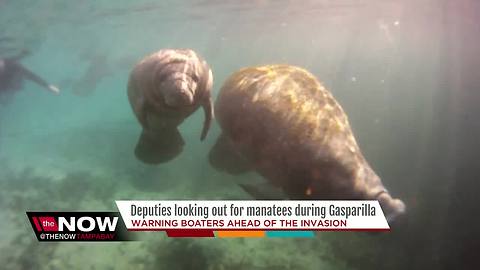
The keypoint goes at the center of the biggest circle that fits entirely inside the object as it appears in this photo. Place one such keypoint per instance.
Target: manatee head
(373, 189)
(393, 208)
(178, 90)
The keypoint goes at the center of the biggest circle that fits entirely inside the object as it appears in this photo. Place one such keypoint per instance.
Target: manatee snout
(178, 92)
(392, 208)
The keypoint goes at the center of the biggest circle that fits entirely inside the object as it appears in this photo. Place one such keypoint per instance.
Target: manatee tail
(159, 147)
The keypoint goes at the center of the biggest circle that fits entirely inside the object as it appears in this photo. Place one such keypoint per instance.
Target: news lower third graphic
(210, 219)
(78, 226)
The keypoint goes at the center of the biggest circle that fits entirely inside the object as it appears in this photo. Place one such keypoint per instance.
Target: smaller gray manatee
(165, 88)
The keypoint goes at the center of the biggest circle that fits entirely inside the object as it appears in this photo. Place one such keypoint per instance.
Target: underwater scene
(82, 124)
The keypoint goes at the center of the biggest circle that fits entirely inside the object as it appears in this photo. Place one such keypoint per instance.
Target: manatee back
(282, 103)
(288, 127)
(291, 128)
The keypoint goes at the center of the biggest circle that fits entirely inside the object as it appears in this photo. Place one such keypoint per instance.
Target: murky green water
(387, 63)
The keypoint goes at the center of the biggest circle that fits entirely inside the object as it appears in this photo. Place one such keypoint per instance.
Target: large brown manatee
(164, 89)
(280, 121)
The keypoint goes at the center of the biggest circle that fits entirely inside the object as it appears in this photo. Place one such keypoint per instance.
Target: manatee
(13, 73)
(164, 89)
(95, 72)
(282, 122)
(100, 65)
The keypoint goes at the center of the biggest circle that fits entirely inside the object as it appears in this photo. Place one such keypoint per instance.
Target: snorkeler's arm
(35, 78)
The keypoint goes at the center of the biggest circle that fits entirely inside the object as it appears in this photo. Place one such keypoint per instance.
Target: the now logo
(87, 224)
(80, 226)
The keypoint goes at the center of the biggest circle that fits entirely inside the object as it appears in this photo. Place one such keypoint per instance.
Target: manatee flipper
(207, 102)
(159, 147)
(209, 115)
(263, 191)
(223, 157)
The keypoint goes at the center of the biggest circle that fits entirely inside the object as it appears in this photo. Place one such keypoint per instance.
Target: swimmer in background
(12, 74)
